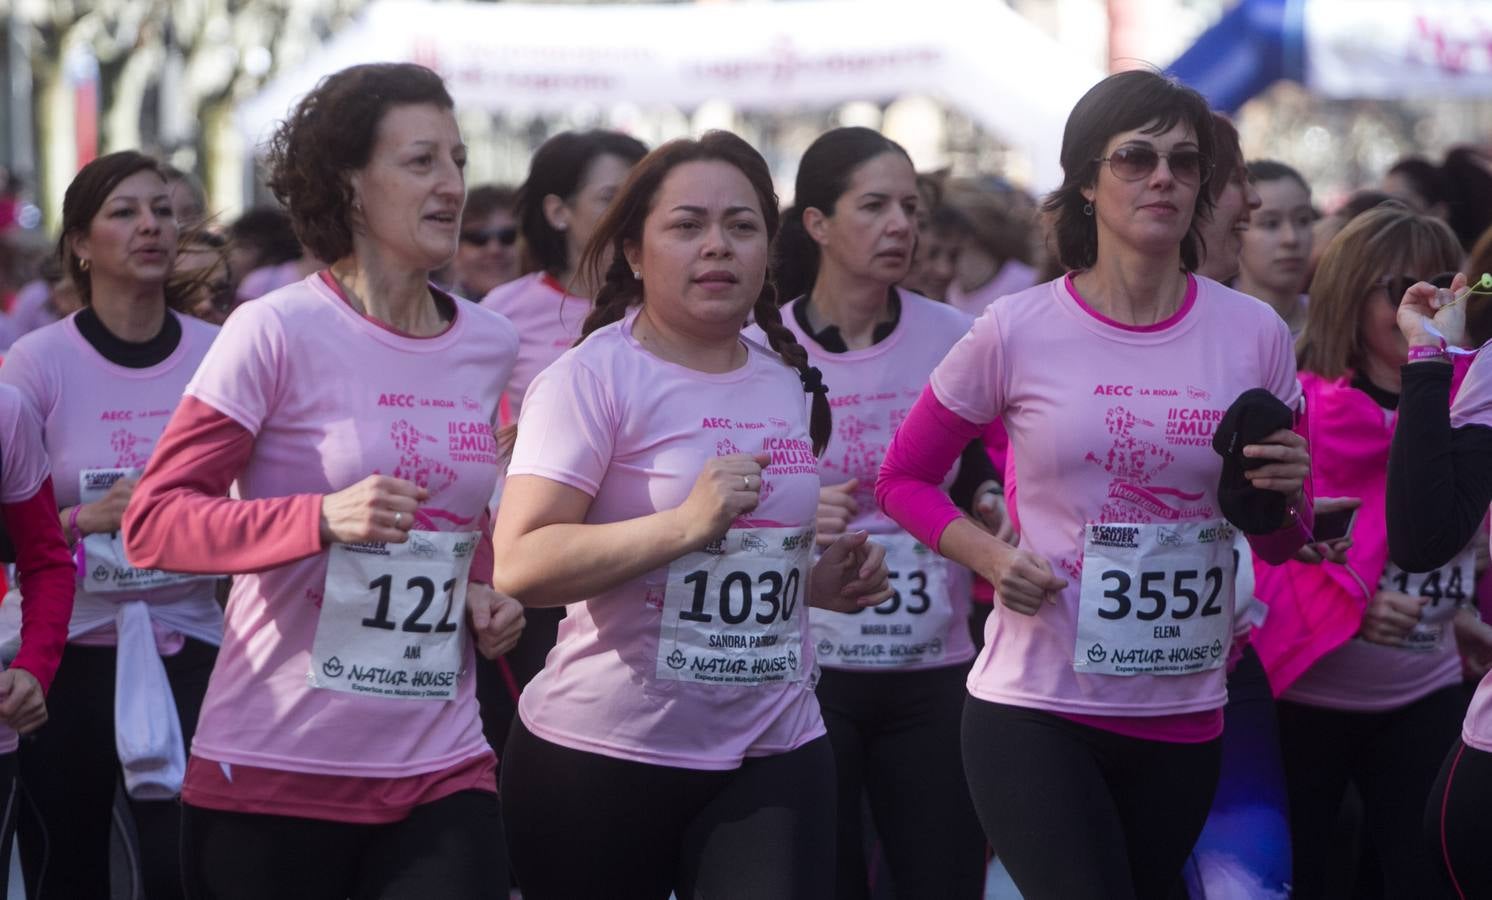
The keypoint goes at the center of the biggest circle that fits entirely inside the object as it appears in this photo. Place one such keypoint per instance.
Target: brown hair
(84, 197)
(486, 199)
(1387, 241)
(329, 135)
(1121, 102)
(623, 223)
(559, 167)
(1000, 227)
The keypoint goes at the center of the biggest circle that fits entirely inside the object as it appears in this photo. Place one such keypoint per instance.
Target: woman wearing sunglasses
(488, 253)
(1091, 734)
(1364, 655)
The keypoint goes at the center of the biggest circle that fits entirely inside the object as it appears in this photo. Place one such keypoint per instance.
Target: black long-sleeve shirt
(1439, 477)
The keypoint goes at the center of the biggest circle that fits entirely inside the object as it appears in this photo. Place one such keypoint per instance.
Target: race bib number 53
(1156, 599)
(393, 617)
(733, 613)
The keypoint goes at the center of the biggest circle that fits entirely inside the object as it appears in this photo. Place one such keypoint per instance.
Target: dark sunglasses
(1134, 163)
(483, 236)
(1396, 286)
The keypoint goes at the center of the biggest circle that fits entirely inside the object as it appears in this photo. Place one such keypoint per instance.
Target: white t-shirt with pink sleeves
(332, 397)
(23, 468)
(634, 431)
(871, 391)
(98, 416)
(1108, 424)
(1473, 406)
(548, 321)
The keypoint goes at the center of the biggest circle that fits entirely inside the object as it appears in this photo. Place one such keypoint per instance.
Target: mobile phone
(1334, 525)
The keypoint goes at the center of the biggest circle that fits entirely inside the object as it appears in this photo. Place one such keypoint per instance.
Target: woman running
(1439, 486)
(340, 752)
(664, 486)
(1364, 655)
(32, 539)
(141, 642)
(1091, 734)
(891, 689)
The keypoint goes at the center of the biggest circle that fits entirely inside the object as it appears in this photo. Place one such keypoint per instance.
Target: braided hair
(623, 221)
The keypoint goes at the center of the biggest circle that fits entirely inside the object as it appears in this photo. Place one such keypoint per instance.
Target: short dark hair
(83, 199)
(824, 174)
(1121, 102)
(606, 260)
(267, 230)
(559, 167)
(329, 135)
(1428, 179)
(486, 199)
(1265, 170)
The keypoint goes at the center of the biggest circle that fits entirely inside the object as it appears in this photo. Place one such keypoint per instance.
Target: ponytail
(785, 345)
(795, 256)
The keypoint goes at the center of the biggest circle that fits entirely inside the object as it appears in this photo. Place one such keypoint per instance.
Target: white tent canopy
(976, 55)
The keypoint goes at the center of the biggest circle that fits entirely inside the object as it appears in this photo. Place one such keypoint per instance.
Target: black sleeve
(974, 469)
(1439, 478)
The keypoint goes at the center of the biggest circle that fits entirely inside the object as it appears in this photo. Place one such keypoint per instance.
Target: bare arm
(546, 555)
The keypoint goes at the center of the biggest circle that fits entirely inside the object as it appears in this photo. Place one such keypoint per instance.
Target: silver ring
(398, 517)
(746, 479)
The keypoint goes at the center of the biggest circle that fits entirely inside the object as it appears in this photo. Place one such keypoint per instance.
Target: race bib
(1157, 599)
(107, 569)
(393, 617)
(733, 613)
(1447, 587)
(909, 629)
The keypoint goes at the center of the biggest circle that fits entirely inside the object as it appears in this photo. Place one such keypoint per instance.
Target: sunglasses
(482, 237)
(1396, 286)
(1136, 162)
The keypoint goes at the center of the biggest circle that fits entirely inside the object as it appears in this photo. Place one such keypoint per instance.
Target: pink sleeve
(46, 570)
(32, 378)
(567, 427)
(181, 519)
(925, 446)
(970, 381)
(240, 375)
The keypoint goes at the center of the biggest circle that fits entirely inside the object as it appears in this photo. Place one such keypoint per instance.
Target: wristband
(73, 531)
(1421, 353)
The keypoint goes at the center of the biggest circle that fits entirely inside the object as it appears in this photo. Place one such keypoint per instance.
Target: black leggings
(1457, 829)
(70, 772)
(443, 849)
(1076, 812)
(1391, 757)
(9, 807)
(895, 737)
(585, 825)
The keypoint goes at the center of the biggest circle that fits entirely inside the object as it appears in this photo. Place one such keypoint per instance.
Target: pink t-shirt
(1013, 277)
(23, 468)
(1350, 436)
(548, 321)
(1108, 423)
(611, 419)
(1473, 406)
(332, 397)
(97, 415)
(871, 391)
